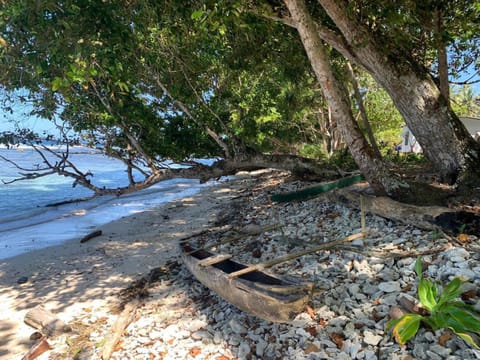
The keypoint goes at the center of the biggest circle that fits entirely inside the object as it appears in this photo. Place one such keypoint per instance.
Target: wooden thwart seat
(214, 259)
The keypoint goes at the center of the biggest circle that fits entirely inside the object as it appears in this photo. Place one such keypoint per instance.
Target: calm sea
(27, 223)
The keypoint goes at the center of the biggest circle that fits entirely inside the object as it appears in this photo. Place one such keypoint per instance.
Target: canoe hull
(263, 295)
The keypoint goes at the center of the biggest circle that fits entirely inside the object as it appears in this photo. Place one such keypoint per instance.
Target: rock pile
(356, 287)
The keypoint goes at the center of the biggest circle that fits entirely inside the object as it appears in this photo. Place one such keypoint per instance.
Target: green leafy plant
(436, 234)
(444, 310)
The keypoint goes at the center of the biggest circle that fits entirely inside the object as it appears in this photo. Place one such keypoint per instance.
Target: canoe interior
(229, 266)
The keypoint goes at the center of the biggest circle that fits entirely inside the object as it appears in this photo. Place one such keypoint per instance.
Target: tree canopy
(178, 79)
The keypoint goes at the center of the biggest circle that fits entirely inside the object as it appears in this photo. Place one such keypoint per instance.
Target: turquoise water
(26, 223)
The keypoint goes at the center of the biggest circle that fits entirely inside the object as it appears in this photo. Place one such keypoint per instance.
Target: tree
(464, 102)
(182, 78)
(370, 35)
(154, 83)
(371, 165)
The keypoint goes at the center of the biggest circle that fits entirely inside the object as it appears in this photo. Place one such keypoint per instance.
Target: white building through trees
(410, 145)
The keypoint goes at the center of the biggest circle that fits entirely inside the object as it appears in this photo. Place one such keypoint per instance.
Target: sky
(35, 124)
(22, 117)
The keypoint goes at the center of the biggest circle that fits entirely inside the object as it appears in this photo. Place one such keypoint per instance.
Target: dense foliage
(203, 78)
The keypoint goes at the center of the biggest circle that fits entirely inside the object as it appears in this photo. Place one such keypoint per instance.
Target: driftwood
(423, 217)
(46, 322)
(289, 257)
(123, 320)
(91, 236)
(395, 254)
(132, 301)
(38, 349)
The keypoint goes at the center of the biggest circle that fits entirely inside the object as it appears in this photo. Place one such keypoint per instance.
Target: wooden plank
(285, 289)
(214, 259)
(289, 257)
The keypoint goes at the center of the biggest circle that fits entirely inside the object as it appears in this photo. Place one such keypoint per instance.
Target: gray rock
(358, 242)
(201, 335)
(354, 349)
(354, 289)
(457, 254)
(338, 321)
(243, 350)
(432, 356)
(349, 330)
(440, 350)
(217, 337)
(420, 349)
(22, 280)
(465, 273)
(371, 339)
(260, 347)
(235, 340)
(236, 327)
(369, 288)
(389, 286)
(343, 356)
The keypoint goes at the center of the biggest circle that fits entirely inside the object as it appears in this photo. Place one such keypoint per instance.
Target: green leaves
(451, 291)
(445, 312)
(427, 293)
(198, 14)
(419, 267)
(464, 321)
(405, 327)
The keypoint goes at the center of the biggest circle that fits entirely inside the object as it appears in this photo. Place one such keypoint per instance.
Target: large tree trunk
(371, 166)
(444, 139)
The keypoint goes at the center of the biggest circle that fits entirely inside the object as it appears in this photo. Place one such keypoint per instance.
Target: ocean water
(28, 223)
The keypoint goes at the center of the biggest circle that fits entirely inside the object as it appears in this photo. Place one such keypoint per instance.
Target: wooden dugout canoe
(264, 295)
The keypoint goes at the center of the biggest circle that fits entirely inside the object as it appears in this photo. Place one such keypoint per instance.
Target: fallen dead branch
(133, 296)
(38, 349)
(395, 254)
(123, 320)
(422, 217)
(91, 236)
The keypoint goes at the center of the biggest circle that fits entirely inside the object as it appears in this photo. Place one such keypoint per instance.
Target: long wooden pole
(285, 258)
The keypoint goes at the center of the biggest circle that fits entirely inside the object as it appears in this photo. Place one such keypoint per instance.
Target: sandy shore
(73, 277)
